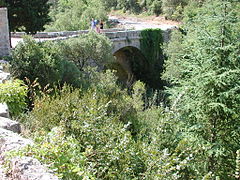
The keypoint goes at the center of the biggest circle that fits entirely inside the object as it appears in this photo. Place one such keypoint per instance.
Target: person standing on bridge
(97, 26)
(101, 25)
(93, 25)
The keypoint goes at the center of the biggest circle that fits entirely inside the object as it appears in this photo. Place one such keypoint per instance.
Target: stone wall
(4, 33)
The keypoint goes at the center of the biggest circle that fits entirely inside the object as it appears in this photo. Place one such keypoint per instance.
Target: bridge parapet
(123, 34)
(60, 33)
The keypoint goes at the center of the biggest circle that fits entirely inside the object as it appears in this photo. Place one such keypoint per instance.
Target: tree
(28, 16)
(74, 15)
(207, 88)
(90, 49)
(42, 61)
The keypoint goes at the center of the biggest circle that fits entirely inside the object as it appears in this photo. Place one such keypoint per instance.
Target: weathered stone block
(10, 125)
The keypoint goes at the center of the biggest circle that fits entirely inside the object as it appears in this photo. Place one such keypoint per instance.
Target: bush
(36, 60)
(173, 9)
(90, 49)
(75, 14)
(103, 146)
(157, 7)
(42, 61)
(14, 93)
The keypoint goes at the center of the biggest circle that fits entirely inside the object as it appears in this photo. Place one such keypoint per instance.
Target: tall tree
(207, 86)
(27, 15)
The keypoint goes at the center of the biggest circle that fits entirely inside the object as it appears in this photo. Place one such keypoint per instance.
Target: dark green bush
(42, 61)
(90, 49)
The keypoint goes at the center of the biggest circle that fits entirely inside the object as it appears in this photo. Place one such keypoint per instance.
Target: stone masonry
(4, 33)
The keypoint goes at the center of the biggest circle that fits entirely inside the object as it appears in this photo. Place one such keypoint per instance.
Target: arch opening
(132, 65)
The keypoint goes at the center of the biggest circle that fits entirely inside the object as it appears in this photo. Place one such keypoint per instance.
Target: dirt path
(138, 23)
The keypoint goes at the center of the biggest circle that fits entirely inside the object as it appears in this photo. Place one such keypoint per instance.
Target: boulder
(4, 112)
(11, 141)
(27, 168)
(9, 124)
(21, 168)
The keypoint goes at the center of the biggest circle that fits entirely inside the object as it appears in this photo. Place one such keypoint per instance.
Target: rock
(21, 168)
(4, 76)
(4, 112)
(11, 141)
(27, 168)
(3, 61)
(11, 125)
(2, 173)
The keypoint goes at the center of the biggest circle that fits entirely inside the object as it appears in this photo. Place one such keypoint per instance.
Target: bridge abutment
(4, 33)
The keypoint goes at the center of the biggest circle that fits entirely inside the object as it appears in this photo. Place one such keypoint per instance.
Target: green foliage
(95, 119)
(128, 5)
(42, 61)
(150, 45)
(174, 52)
(173, 9)
(28, 16)
(90, 49)
(156, 7)
(75, 14)
(14, 93)
(206, 92)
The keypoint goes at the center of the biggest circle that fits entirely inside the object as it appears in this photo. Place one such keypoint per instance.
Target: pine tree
(208, 82)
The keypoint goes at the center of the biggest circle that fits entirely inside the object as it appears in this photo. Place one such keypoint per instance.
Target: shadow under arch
(130, 65)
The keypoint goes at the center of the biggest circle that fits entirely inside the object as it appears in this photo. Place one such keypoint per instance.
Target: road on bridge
(127, 23)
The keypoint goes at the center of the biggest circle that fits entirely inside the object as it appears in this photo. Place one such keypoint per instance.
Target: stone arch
(129, 61)
(119, 44)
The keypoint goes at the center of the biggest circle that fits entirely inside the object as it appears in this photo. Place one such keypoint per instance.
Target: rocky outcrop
(11, 125)
(26, 168)
(21, 168)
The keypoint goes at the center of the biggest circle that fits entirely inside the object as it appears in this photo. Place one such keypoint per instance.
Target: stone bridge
(126, 43)
(120, 37)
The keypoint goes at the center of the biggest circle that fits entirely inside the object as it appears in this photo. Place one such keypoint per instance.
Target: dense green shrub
(156, 7)
(74, 15)
(97, 125)
(173, 9)
(42, 61)
(14, 94)
(90, 49)
(151, 47)
(49, 110)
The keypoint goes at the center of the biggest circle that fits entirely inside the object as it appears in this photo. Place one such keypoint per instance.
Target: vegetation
(75, 14)
(28, 16)
(96, 129)
(42, 61)
(14, 94)
(89, 49)
(206, 81)
(151, 46)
